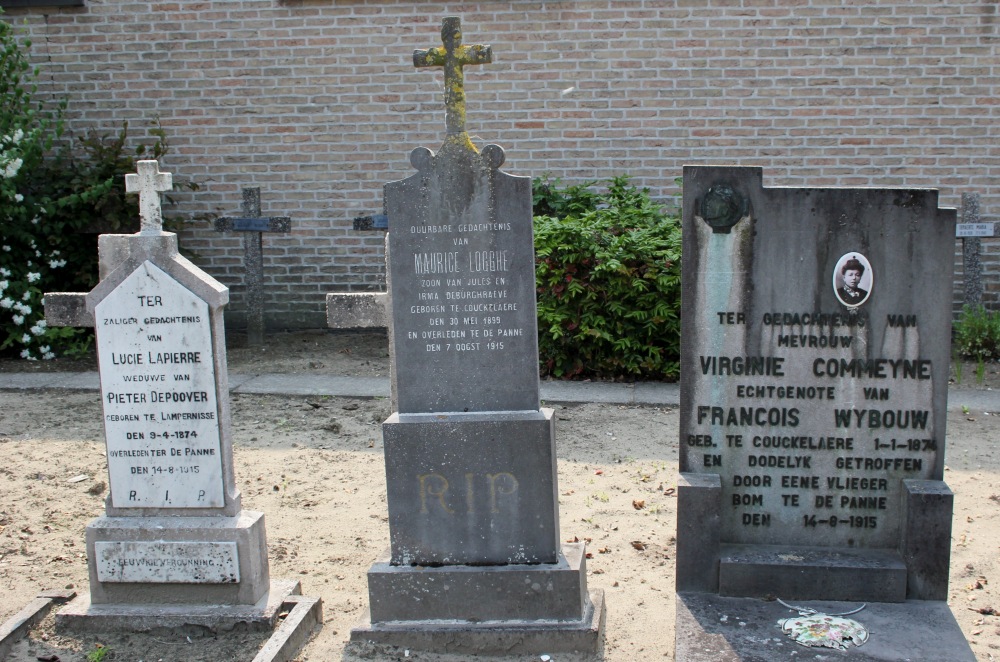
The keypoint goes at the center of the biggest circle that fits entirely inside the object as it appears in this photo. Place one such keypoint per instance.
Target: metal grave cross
(254, 225)
(149, 182)
(453, 56)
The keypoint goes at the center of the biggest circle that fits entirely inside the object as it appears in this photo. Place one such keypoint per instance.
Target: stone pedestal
(535, 608)
(917, 569)
(178, 560)
(475, 488)
(475, 564)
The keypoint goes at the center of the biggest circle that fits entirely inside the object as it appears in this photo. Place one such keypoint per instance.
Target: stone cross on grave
(149, 182)
(453, 57)
(253, 225)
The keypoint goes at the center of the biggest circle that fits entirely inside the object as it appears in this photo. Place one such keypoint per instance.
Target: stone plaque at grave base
(208, 560)
(815, 359)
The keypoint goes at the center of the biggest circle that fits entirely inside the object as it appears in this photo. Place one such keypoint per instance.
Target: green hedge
(608, 276)
(977, 333)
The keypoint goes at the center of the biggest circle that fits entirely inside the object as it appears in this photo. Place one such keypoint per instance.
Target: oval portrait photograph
(852, 279)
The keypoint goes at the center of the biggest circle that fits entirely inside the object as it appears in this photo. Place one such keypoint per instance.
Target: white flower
(6, 302)
(21, 308)
(11, 168)
(55, 264)
(26, 296)
(34, 221)
(37, 330)
(33, 276)
(48, 356)
(6, 248)
(18, 197)
(45, 349)
(25, 354)
(56, 253)
(25, 339)
(18, 319)
(4, 272)
(3, 285)
(14, 138)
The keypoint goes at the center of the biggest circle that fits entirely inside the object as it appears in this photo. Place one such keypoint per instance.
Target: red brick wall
(317, 103)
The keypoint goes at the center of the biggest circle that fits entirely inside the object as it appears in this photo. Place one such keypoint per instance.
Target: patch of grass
(98, 654)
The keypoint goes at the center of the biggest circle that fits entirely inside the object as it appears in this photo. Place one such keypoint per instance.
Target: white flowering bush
(55, 196)
(26, 260)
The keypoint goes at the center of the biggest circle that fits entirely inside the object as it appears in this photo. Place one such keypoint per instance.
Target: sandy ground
(314, 466)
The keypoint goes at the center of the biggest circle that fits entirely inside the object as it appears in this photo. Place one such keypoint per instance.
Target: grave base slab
(812, 573)
(485, 638)
(242, 538)
(484, 609)
(713, 628)
(82, 616)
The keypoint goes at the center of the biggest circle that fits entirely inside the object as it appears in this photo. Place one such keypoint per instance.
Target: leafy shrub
(977, 333)
(547, 199)
(55, 195)
(608, 276)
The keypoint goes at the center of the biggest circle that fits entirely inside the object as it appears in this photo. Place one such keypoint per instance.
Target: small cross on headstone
(149, 183)
(453, 56)
(254, 225)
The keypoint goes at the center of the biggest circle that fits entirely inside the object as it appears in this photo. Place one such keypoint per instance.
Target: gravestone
(475, 562)
(815, 359)
(253, 226)
(175, 546)
(971, 231)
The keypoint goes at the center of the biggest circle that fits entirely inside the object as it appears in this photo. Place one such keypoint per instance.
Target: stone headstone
(463, 306)
(815, 359)
(470, 455)
(158, 392)
(972, 263)
(174, 532)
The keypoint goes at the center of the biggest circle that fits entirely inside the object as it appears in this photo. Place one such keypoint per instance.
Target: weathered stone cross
(148, 183)
(453, 57)
(252, 224)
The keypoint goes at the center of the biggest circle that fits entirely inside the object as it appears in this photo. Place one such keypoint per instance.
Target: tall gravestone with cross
(253, 226)
(475, 562)
(815, 360)
(175, 546)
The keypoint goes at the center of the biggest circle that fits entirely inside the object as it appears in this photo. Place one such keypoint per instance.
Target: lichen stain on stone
(458, 141)
(453, 56)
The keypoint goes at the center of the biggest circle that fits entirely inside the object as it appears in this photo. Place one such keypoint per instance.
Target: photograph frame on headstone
(865, 284)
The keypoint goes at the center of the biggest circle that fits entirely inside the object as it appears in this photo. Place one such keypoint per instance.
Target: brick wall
(317, 103)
